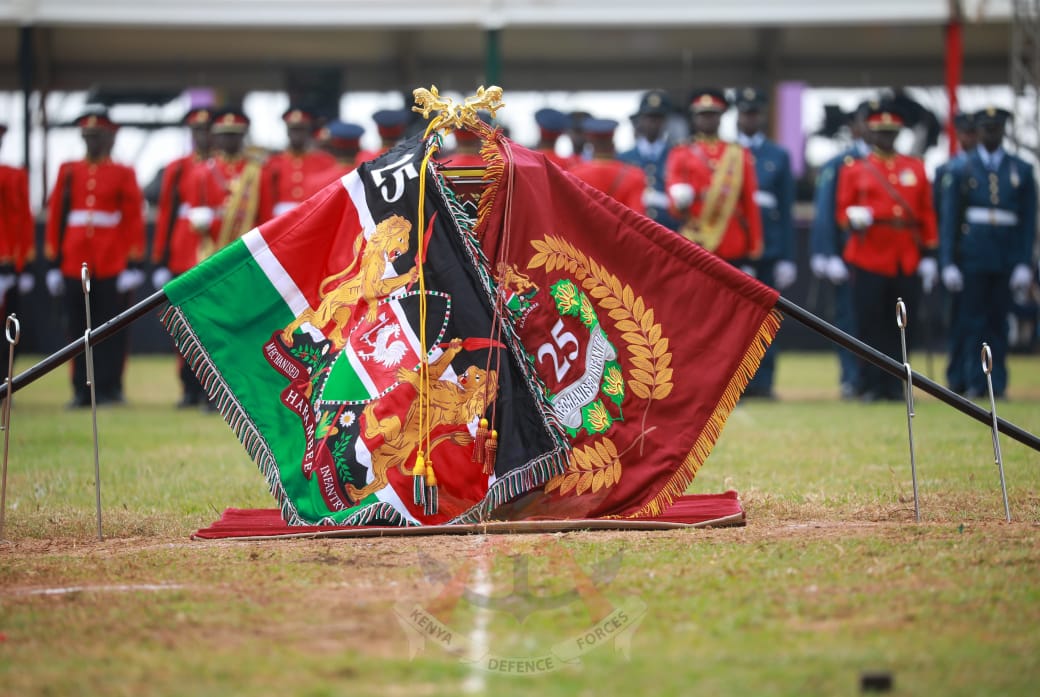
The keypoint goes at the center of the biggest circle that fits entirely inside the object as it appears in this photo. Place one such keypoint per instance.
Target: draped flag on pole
(346, 337)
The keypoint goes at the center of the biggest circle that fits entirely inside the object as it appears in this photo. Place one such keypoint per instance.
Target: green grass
(830, 578)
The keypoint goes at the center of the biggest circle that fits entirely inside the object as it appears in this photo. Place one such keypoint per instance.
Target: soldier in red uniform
(552, 124)
(885, 201)
(712, 186)
(176, 245)
(17, 243)
(286, 171)
(235, 190)
(342, 141)
(620, 180)
(95, 216)
(391, 124)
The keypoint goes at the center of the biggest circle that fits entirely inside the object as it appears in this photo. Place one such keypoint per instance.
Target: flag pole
(96, 336)
(796, 312)
(896, 369)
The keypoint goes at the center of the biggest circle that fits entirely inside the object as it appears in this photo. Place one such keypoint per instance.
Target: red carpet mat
(695, 510)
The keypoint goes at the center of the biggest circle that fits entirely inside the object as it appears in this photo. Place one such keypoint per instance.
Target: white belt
(84, 218)
(977, 215)
(284, 207)
(184, 210)
(765, 199)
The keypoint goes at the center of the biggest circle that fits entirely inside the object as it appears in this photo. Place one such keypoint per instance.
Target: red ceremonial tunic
(694, 164)
(182, 190)
(897, 191)
(17, 241)
(619, 180)
(214, 179)
(285, 174)
(104, 226)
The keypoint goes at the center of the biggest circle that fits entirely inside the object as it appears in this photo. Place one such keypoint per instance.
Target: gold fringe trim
(494, 168)
(682, 477)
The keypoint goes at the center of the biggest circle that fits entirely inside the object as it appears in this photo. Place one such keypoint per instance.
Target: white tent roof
(490, 13)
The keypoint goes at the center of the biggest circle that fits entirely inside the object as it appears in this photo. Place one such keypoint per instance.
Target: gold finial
(450, 115)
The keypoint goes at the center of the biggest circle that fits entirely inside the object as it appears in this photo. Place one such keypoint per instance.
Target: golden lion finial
(450, 115)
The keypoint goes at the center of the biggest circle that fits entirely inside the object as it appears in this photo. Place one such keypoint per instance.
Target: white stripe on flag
(387, 493)
(356, 188)
(275, 272)
(359, 370)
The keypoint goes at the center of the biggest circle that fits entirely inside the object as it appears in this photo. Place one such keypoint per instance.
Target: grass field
(830, 578)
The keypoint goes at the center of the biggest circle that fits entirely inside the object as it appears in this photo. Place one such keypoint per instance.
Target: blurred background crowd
(845, 155)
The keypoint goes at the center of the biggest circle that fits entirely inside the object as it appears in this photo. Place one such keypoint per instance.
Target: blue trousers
(982, 312)
(845, 320)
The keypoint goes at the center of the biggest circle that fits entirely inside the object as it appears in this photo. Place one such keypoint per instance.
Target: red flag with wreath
(643, 340)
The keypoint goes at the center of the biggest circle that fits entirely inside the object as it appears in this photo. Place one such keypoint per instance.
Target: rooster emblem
(387, 348)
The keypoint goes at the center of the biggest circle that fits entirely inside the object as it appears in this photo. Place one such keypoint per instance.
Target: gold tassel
(478, 441)
(418, 479)
(490, 452)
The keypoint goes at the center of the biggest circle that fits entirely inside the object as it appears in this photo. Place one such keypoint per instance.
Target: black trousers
(110, 355)
(874, 298)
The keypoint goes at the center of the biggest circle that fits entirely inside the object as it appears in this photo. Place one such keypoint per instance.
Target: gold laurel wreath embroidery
(651, 360)
(592, 468)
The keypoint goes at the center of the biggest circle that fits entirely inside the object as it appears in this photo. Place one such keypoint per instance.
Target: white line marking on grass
(130, 588)
(478, 636)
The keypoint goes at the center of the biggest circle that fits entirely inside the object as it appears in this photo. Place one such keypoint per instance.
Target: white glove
(860, 217)
(1021, 278)
(837, 272)
(748, 269)
(952, 279)
(201, 218)
(928, 270)
(652, 198)
(161, 276)
(818, 265)
(785, 273)
(7, 282)
(129, 279)
(26, 283)
(681, 195)
(55, 282)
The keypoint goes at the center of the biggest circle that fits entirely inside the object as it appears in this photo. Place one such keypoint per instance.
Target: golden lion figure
(448, 404)
(387, 243)
(510, 278)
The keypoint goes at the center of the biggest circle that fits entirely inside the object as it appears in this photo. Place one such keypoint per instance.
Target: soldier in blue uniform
(651, 152)
(967, 139)
(827, 243)
(986, 247)
(775, 198)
